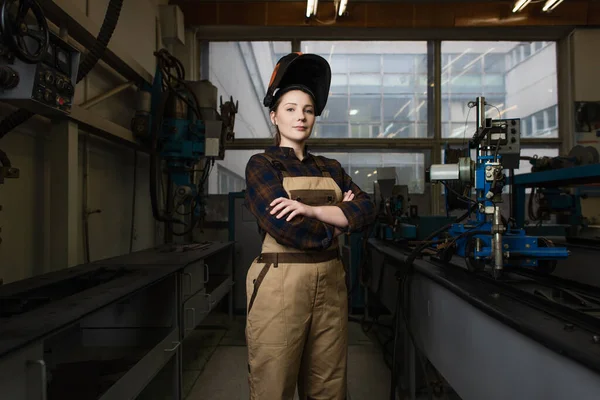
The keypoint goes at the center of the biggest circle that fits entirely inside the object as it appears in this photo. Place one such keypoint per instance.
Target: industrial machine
(38, 70)
(178, 120)
(558, 186)
(488, 238)
(397, 219)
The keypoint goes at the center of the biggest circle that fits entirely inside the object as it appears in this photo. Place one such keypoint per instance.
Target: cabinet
(114, 339)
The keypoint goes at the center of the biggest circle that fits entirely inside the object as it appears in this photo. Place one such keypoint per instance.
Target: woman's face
(294, 117)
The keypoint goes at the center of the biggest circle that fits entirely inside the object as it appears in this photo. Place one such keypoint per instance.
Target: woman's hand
(284, 206)
(348, 196)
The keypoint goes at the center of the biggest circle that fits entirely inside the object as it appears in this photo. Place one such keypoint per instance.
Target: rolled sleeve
(263, 185)
(360, 212)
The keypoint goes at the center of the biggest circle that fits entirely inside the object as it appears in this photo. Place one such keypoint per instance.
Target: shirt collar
(286, 152)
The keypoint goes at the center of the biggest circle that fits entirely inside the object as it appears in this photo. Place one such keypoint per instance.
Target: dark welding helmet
(296, 71)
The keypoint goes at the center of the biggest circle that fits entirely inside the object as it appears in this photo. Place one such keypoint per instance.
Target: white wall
(25, 217)
(586, 64)
(229, 74)
(532, 86)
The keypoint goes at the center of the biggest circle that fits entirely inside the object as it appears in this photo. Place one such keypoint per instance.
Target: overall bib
(296, 327)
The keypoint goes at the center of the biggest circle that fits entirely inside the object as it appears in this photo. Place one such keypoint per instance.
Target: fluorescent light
(342, 9)
(353, 112)
(520, 4)
(311, 7)
(551, 5)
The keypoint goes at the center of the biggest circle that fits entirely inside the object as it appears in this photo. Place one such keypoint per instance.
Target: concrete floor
(215, 360)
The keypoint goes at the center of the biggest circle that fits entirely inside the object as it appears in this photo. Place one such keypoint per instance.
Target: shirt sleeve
(263, 185)
(360, 212)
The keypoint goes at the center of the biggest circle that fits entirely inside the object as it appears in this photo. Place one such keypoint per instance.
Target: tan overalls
(296, 327)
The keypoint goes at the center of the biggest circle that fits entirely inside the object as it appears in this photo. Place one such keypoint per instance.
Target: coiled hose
(90, 60)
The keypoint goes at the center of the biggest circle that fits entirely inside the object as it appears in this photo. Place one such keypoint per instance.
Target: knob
(49, 77)
(9, 78)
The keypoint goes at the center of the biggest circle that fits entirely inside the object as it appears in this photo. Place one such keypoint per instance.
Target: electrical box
(46, 87)
(172, 25)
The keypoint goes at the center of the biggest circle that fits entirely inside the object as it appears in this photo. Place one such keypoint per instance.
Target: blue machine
(178, 119)
(485, 237)
(558, 190)
(397, 219)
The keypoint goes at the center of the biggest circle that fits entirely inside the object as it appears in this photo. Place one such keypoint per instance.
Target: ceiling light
(551, 5)
(520, 4)
(311, 7)
(342, 9)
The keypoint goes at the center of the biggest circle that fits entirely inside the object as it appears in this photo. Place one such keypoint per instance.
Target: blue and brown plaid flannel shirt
(264, 184)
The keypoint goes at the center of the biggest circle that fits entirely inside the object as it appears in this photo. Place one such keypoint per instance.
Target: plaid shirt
(264, 184)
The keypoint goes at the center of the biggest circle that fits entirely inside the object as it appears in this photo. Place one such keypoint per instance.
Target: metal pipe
(480, 107)
(497, 241)
(101, 97)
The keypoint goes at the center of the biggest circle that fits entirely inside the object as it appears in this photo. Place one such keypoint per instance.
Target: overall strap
(322, 167)
(278, 165)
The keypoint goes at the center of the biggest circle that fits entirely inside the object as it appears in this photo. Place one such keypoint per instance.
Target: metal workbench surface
(487, 343)
(130, 273)
(548, 330)
(169, 254)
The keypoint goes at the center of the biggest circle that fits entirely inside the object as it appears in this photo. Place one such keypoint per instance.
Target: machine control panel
(46, 87)
(506, 133)
(53, 88)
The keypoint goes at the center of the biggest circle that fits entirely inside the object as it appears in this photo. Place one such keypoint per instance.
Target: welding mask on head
(296, 71)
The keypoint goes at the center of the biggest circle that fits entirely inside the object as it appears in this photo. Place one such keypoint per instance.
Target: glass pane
(362, 167)
(243, 70)
(410, 168)
(397, 108)
(364, 131)
(330, 131)
(365, 84)
(339, 84)
(365, 109)
(371, 72)
(398, 83)
(364, 62)
(230, 173)
(335, 111)
(501, 72)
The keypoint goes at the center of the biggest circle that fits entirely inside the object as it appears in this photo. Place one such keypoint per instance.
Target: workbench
(485, 344)
(112, 329)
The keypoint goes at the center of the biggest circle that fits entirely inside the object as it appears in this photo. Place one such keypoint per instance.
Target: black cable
(111, 18)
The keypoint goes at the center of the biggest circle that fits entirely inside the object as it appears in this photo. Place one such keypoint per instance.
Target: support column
(64, 194)
(566, 103)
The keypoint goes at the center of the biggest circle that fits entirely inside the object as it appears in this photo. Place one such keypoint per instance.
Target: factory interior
(125, 239)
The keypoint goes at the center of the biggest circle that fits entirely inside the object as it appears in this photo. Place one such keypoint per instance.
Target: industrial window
(362, 167)
(229, 175)
(243, 70)
(229, 181)
(379, 89)
(512, 87)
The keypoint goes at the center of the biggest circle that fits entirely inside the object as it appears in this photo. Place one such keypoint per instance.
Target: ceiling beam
(423, 15)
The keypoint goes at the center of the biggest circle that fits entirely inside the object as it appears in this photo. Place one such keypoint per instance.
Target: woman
(296, 326)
